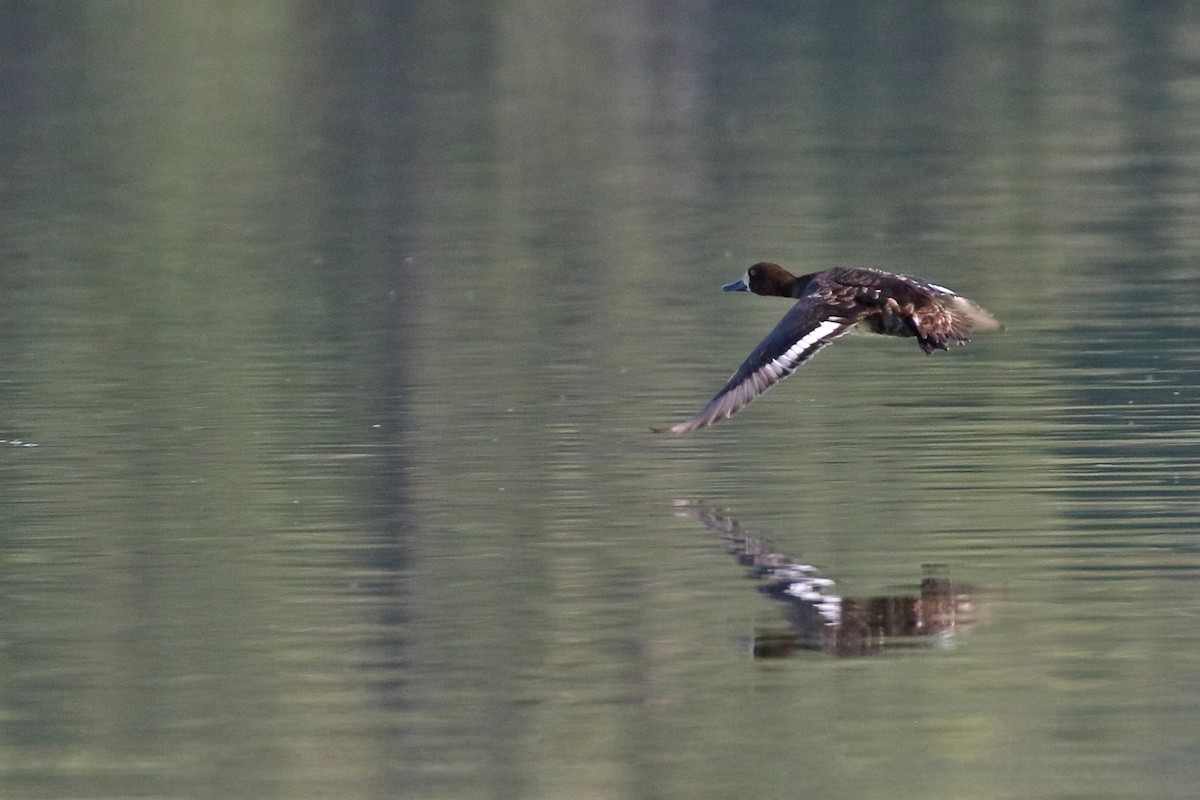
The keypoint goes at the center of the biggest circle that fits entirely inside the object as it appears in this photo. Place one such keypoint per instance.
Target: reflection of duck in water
(825, 621)
(828, 305)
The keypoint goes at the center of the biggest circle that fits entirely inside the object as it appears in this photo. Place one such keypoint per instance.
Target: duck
(828, 305)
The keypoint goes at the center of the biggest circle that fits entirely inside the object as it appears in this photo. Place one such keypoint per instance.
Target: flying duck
(828, 305)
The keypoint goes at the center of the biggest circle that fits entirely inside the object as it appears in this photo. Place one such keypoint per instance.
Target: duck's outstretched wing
(805, 329)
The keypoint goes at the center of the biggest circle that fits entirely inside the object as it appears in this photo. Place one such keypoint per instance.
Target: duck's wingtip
(687, 426)
(670, 430)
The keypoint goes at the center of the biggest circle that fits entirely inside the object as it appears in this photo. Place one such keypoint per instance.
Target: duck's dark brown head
(769, 279)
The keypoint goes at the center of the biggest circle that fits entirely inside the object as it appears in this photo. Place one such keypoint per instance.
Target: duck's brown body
(895, 305)
(828, 305)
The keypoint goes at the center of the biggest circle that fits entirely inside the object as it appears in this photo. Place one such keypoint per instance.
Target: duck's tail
(970, 317)
(961, 319)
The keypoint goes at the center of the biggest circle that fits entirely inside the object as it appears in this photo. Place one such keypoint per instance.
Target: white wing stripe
(795, 354)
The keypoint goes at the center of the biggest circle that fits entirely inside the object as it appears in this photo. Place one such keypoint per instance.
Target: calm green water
(340, 333)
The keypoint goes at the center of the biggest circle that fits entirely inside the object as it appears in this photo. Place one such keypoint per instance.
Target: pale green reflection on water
(341, 335)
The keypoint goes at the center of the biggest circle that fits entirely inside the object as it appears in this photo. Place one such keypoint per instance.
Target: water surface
(341, 334)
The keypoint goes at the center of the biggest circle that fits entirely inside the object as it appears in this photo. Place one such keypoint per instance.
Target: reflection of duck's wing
(809, 326)
(824, 621)
(783, 577)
